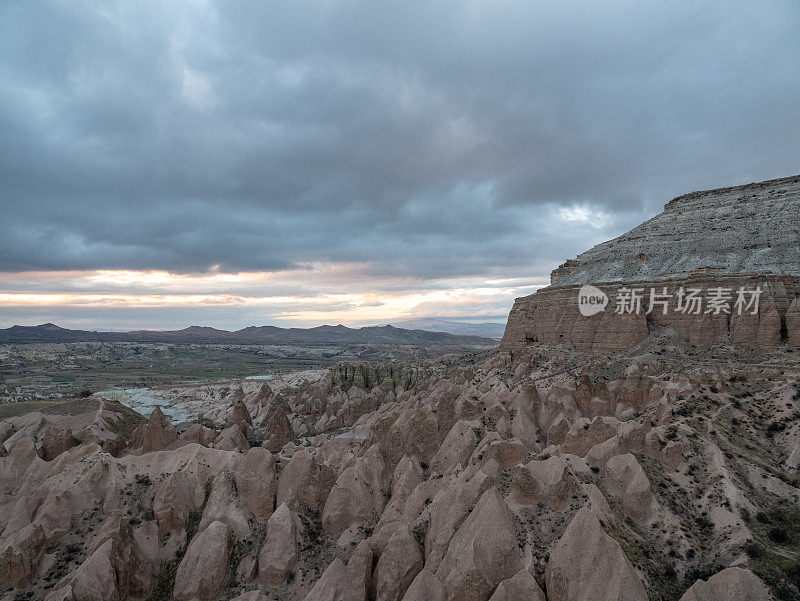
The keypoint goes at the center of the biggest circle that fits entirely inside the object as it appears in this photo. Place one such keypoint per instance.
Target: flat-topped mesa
(740, 237)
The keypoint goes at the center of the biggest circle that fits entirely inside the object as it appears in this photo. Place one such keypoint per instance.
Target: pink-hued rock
(523, 421)
(225, 506)
(548, 482)
(336, 584)
(584, 434)
(55, 441)
(769, 325)
(448, 511)
(588, 565)
(793, 323)
(399, 564)
(413, 433)
(155, 434)
(476, 563)
(175, 499)
(456, 449)
(20, 553)
(747, 242)
(239, 416)
(426, 587)
(232, 438)
(626, 480)
(255, 482)
(199, 434)
(732, 584)
(502, 454)
(202, 573)
(278, 428)
(361, 565)
(520, 586)
(94, 580)
(304, 481)
(407, 476)
(251, 596)
(358, 494)
(278, 555)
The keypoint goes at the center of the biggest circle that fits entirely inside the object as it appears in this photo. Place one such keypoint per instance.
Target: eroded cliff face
(740, 237)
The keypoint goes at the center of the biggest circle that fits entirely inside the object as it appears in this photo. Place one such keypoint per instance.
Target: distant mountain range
(451, 326)
(273, 335)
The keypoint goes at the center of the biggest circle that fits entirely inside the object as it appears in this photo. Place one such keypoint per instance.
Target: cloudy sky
(295, 163)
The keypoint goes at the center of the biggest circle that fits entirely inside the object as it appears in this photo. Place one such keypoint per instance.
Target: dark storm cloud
(430, 139)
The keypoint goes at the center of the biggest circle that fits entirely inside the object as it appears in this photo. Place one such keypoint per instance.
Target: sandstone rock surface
(520, 586)
(476, 563)
(732, 584)
(255, 482)
(278, 555)
(202, 571)
(399, 564)
(588, 565)
(155, 434)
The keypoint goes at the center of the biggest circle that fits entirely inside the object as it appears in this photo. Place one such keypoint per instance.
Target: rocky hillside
(667, 472)
(744, 236)
(266, 335)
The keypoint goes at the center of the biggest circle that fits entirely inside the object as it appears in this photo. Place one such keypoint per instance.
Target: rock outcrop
(520, 586)
(20, 554)
(588, 565)
(94, 580)
(730, 238)
(793, 323)
(155, 434)
(426, 587)
(335, 584)
(626, 480)
(399, 564)
(255, 482)
(278, 428)
(547, 482)
(476, 563)
(358, 494)
(177, 497)
(278, 555)
(201, 573)
(305, 481)
(55, 441)
(733, 584)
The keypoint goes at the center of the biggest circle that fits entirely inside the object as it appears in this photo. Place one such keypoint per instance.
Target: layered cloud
(308, 296)
(431, 144)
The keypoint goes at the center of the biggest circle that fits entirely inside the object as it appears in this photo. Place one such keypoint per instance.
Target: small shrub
(165, 581)
(753, 549)
(778, 535)
(143, 479)
(192, 524)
